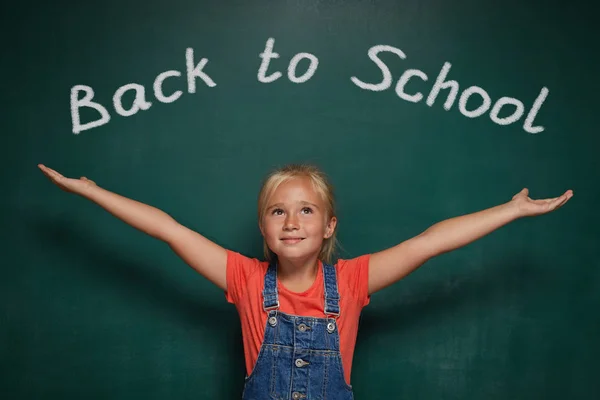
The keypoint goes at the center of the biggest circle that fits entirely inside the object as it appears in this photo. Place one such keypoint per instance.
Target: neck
(299, 273)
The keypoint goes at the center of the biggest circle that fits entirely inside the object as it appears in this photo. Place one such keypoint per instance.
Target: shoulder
(246, 265)
(242, 272)
(353, 265)
(353, 277)
(234, 257)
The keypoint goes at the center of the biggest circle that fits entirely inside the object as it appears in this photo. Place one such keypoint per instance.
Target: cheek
(270, 230)
(316, 228)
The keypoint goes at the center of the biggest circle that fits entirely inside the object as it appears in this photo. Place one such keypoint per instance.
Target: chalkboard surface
(418, 111)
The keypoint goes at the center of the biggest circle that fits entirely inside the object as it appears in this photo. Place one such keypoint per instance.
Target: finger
(51, 170)
(54, 174)
(564, 201)
(47, 172)
(55, 177)
(566, 195)
(547, 205)
(548, 200)
(559, 201)
(543, 202)
(44, 169)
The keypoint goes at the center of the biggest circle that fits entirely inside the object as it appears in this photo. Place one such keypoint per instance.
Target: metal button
(330, 327)
(300, 363)
(302, 327)
(272, 321)
(297, 396)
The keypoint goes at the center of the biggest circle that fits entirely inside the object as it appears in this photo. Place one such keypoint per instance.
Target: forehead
(294, 190)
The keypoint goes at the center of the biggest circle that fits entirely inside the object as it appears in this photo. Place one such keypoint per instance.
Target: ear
(330, 228)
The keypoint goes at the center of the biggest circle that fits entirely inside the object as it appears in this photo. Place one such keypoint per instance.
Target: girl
(299, 313)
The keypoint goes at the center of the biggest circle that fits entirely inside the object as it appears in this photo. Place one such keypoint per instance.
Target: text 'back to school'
(473, 101)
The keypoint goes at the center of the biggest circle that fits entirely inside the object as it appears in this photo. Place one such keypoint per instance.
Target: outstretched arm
(206, 257)
(388, 266)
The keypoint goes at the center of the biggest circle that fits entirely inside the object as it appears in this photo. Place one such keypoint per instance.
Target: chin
(295, 254)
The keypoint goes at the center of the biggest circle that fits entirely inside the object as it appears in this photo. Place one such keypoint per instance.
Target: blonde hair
(321, 185)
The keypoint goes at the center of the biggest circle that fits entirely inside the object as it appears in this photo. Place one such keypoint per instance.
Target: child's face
(294, 224)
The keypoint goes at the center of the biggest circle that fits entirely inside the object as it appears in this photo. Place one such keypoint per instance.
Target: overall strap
(332, 297)
(270, 296)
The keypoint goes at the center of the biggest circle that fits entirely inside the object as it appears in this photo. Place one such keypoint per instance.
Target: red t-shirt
(245, 282)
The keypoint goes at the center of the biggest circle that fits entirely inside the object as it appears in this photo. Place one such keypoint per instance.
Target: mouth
(292, 240)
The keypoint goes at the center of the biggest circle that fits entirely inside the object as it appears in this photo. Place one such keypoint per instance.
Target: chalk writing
(139, 103)
(441, 83)
(473, 101)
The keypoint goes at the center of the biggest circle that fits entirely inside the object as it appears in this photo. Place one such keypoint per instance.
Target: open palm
(528, 207)
(67, 184)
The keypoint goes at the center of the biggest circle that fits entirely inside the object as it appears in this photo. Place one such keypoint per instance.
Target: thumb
(83, 178)
(524, 191)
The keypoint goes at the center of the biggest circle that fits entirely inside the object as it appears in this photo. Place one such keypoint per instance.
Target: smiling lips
(292, 240)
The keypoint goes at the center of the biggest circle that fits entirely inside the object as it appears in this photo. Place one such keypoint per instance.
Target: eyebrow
(304, 203)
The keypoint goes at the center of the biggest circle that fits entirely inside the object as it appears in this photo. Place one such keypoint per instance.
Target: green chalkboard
(418, 111)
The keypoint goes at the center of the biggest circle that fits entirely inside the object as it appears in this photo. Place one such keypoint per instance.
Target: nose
(291, 223)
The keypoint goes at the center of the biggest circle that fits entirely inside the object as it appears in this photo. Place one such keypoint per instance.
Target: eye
(307, 210)
(277, 211)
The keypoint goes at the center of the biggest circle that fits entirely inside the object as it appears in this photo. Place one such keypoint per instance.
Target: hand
(527, 207)
(67, 184)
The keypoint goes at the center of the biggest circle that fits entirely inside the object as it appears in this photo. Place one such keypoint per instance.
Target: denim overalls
(300, 356)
